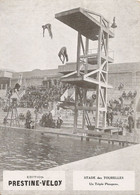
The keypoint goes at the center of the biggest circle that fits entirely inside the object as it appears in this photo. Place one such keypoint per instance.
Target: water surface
(30, 150)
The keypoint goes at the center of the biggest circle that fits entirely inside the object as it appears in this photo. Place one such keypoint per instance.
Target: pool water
(30, 150)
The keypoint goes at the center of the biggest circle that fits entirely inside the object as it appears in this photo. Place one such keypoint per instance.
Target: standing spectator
(121, 101)
(111, 117)
(50, 119)
(59, 122)
(130, 122)
(125, 127)
(28, 120)
(107, 118)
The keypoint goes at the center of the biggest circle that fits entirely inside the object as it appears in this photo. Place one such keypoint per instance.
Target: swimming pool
(30, 150)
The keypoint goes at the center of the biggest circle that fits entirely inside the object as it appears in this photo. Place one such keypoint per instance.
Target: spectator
(59, 122)
(130, 122)
(121, 86)
(129, 95)
(124, 94)
(107, 118)
(111, 117)
(134, 94)
(121, 101)
(28, 120)
(35, 95)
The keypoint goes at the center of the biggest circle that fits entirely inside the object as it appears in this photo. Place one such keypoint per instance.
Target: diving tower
(91, 27)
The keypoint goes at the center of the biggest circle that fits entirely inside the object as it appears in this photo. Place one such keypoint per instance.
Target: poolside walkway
(127, 139)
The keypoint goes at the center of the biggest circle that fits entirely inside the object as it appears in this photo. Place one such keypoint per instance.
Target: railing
(104, 22)
(95, 51)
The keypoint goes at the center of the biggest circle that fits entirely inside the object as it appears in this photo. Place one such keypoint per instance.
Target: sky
(23, 48)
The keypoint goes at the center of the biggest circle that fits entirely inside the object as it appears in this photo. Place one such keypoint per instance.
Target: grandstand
(126, 73)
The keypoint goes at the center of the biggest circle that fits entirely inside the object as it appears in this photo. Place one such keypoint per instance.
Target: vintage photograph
(70, 95)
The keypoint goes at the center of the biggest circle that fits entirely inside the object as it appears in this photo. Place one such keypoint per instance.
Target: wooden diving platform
(94, 27)
(80, 81)
(111, 130)
(84, 21)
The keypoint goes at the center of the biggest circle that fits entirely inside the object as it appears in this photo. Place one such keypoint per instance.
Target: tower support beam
(93, 29)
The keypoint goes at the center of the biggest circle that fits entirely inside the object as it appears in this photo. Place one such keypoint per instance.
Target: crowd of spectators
(119, 105)
(129, 95)
(126, 123)
(40, 96)
(123, 109)
(48, 121)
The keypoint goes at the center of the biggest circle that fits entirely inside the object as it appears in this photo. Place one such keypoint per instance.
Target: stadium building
(126, 73)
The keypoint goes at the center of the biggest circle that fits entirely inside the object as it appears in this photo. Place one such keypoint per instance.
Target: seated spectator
(21, 117)
(5, 121)
(41, 96)
(94, 97)
(129, 95)
(59, 122)
(134, 94)
(121, 86)
(124, 94)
